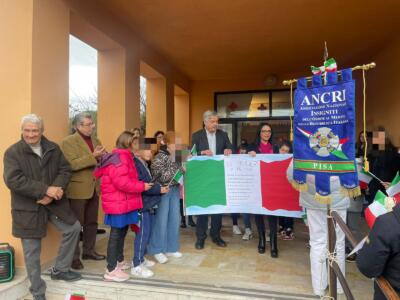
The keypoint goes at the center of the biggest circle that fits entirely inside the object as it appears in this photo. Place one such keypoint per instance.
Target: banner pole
(363, 67)
(331, 254)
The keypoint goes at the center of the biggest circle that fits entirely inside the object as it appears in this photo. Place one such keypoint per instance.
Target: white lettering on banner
(242, 182)
(325, 98)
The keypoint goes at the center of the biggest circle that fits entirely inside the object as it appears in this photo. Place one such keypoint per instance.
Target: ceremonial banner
(324, 122)
(240, 184)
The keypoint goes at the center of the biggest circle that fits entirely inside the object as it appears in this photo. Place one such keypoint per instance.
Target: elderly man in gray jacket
(318, 227)
(37, 175)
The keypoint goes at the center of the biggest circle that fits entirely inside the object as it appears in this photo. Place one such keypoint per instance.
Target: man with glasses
(82, 150)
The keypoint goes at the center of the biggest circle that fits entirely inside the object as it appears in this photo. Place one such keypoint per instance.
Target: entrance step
(94, 288)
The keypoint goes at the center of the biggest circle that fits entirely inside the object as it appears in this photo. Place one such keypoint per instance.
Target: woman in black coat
(264, 145)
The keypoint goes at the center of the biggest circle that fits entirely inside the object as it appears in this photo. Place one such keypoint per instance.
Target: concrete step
(94, 288)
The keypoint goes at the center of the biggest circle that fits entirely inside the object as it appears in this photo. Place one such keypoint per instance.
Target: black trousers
(115, 248)
(202, 226)
(272, 222)
(286, 223)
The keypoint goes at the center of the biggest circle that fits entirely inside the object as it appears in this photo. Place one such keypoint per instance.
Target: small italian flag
(317, 70)
(330, 65)
(179, 177)
(381, 205)
(363, 177)
(74, 297)
(193, 151)
(394, 188)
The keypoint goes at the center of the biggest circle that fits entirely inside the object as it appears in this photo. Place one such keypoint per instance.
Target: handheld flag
(381, 205)
(394, 188)
(193, 151)
(364, 178)
(178, 177)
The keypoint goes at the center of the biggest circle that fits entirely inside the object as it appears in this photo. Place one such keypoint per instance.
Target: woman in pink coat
(121, 198)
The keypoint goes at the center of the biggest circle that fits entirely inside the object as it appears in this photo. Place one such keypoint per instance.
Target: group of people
(62, 184)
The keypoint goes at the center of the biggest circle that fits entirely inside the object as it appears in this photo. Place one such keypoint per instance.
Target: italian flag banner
(240, 184)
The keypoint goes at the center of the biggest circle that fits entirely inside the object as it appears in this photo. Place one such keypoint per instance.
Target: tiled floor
(239, 265)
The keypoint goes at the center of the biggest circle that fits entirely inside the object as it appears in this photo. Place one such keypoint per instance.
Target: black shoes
(261, 243)
(183, 223)
(219, 242)
(199, 244)
(273, 241)
(93, 256)
(39, 297)
(77, 264)
(66, 276)
(191, 222)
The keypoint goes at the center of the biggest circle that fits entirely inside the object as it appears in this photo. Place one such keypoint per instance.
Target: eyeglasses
(266, 131)
(88, 125)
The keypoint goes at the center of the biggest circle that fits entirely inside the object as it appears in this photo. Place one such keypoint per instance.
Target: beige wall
(156, 105)
(33, 78)
(182, 117)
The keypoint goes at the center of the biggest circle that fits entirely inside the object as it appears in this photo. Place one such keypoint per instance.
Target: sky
(82, 72)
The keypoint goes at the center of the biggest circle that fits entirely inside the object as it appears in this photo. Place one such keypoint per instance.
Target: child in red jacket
(121, 199)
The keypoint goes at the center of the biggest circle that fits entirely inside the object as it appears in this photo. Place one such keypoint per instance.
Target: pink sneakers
(117, 275)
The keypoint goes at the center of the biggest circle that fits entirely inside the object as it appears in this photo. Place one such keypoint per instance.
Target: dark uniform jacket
(380, 256)
(152, 196)
(199, 138)
(28, 176)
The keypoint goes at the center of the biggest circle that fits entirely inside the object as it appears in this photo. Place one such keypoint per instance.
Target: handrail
(383, 284)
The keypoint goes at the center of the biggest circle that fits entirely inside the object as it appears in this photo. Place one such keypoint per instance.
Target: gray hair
(208, 114)
(32, 118)
(78, 118)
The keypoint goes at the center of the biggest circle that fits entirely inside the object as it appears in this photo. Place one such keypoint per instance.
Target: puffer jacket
(120, 188)
(307, 199)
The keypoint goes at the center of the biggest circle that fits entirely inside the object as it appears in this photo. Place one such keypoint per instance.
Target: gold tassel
(351, 193)
(366, 165)
(323, 199)
(301, 187)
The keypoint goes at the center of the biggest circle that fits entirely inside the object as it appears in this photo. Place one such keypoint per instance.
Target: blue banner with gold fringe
(324, 133)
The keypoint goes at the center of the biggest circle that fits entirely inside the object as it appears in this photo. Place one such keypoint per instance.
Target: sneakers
(66, 276)
(117, 275)
(161, 258)
(288, 235)
(123, 265)
(248, 234)
(141, 271)
(148, 263)
(175, 254)
(236, 230)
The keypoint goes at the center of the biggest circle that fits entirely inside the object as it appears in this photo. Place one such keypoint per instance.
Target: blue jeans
(142, 238)
(165, 232)
(246, 220)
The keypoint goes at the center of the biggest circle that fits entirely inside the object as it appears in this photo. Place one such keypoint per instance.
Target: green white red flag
(330, 65)
(394, 188)
(363, 177)
(381, 205)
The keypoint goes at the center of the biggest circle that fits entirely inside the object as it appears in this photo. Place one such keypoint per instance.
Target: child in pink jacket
(121, 199)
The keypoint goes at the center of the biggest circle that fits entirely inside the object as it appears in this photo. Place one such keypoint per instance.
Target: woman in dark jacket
(264, 145)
